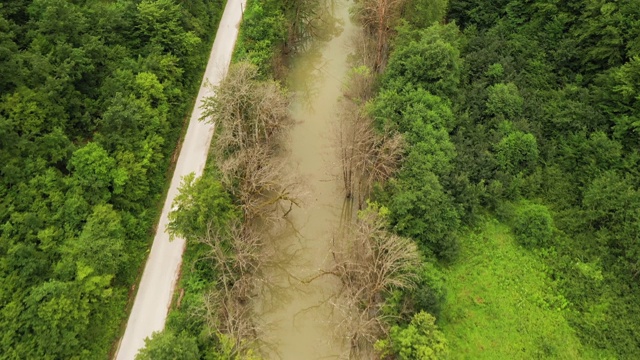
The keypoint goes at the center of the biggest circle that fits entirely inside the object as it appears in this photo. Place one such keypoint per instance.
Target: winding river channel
(297, 315)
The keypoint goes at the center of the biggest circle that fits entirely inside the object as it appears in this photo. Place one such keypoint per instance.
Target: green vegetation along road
(155, 292)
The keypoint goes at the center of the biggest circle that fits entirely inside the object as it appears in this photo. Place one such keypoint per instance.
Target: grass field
(501, 304)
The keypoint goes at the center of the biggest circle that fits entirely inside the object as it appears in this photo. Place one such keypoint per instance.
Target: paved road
(155, 291)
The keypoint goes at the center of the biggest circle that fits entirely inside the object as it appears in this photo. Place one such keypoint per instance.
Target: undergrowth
(501, 304)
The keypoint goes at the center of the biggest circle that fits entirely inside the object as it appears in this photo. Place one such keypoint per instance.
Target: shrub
(533, 225)
(420, 340)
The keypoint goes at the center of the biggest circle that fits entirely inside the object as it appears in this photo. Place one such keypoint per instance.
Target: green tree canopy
(420, 340)
(517, 152)
(504, 100)
(101, 243)
(427, 58)
(93, 171)
(160, 25)
(166, 345)
(533, 225)
(421, 209)
(202, 205)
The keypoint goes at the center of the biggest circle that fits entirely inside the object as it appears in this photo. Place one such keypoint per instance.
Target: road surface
(155, 291)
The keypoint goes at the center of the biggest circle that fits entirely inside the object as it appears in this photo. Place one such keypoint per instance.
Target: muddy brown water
(298, 320)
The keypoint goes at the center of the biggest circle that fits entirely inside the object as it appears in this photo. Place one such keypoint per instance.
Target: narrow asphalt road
(155, 290)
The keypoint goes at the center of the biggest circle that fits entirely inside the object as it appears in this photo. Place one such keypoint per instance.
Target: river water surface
(298, 317)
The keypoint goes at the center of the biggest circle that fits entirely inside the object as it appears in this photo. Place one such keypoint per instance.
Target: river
(297, 316)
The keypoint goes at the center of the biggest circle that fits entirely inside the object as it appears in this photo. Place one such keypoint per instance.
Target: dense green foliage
(263, 29)
(274, 30)
(168, 346)
(527, 110)
(533, 225)
(421, 339)
(197, 201)
(203, 205)
(414, 99)
(92, 99)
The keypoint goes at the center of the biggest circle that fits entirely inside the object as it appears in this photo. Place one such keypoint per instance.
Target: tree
(402, 107)
(129, 119)
(610, 210)
(379, 18)
(533, 225)
(420, 207)
(51, 20)
(247, 112)
(424, 13)
(421, 210)
(610, 200)
(30, 128)
(369, 156)
(7, 50)
(619, 99)
(87, 117)
(589, 155)
(371, 263)
(252, 119)
(202, 205)
(420, 340)
(59, 314)
(427, 58)
(264, 26)
(482, 14)
(505, 101)
(234, 252)
(166, 345)
(93, 171)
(431, 150)
(101, 245)
(237, 255)
(603, 31)
(517, 153)
(159, 25)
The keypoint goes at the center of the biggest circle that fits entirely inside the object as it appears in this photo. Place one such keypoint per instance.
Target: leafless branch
(368, 155)
(252, 120)
(379, 18)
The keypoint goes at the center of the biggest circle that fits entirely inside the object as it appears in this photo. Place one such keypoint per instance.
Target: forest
(93, 98)
(522, 120)
(499, 149)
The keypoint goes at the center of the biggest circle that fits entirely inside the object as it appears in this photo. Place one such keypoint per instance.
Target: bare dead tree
(368, 155)
(364, 50)
(252, 120)
(370, 263)
(237, 256)
(265, 189)
(247, 112)
(378, 18)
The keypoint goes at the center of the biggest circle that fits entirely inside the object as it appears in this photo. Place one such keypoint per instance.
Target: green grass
(502, 305)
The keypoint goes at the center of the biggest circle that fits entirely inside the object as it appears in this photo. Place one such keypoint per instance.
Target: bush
(421, 340)
(430, 292)
(167, 345)
(533, 225)
(517, 152)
